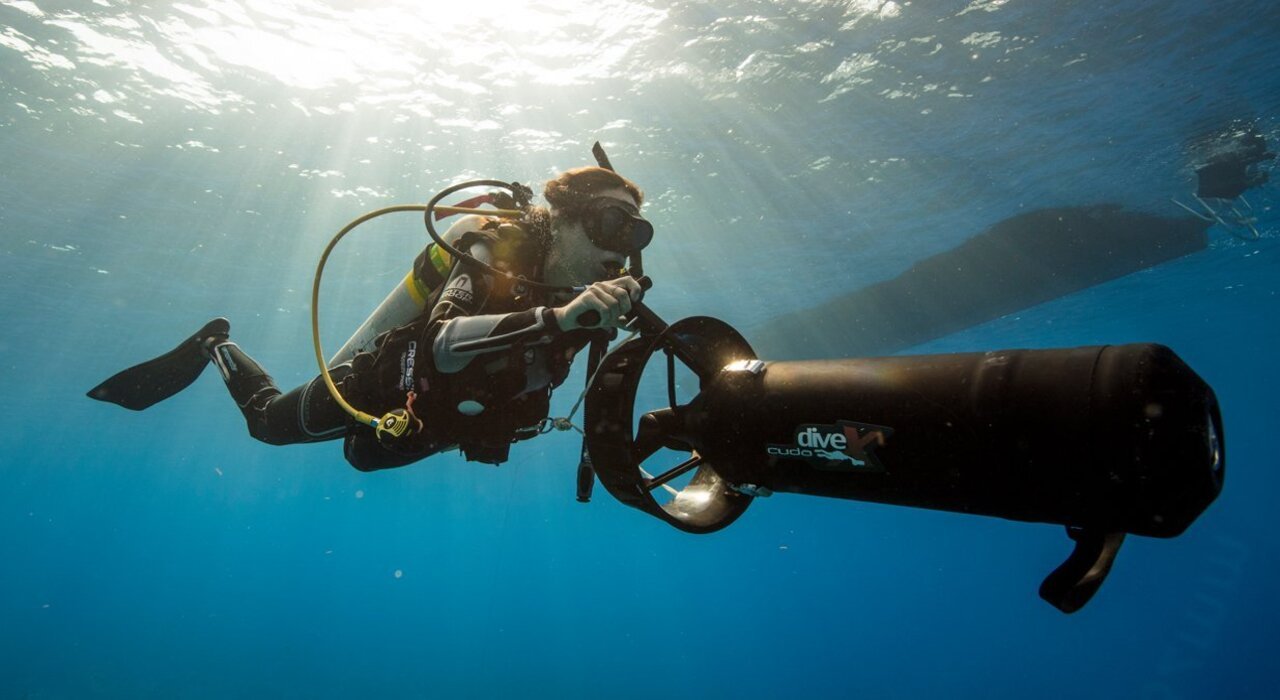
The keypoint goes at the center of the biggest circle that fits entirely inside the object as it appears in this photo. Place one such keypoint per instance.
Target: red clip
(408, 408)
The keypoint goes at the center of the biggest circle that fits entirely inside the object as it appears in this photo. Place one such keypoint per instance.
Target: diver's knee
(263, 434)
(262, 430)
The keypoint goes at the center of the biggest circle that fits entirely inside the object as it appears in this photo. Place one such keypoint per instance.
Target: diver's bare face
(573, 259)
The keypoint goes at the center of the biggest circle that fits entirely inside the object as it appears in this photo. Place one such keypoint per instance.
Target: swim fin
(155, 380)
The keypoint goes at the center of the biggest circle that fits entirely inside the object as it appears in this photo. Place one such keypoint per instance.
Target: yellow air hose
(395, 423)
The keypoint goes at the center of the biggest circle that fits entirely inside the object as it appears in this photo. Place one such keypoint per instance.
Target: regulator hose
(393, 420)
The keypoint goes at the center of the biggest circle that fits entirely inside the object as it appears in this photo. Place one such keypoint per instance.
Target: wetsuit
(482, 363)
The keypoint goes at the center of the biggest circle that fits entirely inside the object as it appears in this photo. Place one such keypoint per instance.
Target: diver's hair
(569, 193)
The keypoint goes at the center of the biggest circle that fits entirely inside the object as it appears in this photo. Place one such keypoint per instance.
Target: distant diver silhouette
(1233, 167)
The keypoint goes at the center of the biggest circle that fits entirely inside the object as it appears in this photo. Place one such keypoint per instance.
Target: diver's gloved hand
(610, 300)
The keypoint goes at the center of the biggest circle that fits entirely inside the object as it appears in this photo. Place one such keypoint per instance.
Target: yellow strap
(442, 261)
(417, 290)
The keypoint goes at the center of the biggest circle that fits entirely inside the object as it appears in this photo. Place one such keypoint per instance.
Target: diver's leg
(308, 413)
(305, 414)
(155, 380)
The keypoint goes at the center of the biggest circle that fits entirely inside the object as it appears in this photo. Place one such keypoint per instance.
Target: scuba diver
(467, 349)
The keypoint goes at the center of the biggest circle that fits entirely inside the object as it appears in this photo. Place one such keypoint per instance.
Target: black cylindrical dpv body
(1119, 438)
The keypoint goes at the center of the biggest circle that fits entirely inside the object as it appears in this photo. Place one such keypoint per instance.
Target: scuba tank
(409, 298)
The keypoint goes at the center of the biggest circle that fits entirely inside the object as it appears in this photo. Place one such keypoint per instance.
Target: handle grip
(591, 318)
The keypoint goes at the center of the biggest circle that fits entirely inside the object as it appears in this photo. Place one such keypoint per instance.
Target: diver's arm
(462, 339)
(463, 335)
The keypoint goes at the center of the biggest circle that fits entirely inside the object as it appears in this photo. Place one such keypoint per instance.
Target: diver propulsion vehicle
(1106, 441)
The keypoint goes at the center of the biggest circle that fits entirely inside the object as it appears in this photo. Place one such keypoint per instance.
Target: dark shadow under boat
(1018, 263)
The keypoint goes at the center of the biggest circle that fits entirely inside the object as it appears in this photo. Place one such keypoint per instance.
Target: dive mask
(616, 226)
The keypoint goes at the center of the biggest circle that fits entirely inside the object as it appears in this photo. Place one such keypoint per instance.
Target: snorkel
(636, 258)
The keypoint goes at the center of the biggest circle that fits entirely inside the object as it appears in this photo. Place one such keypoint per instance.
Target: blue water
(164, 164)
